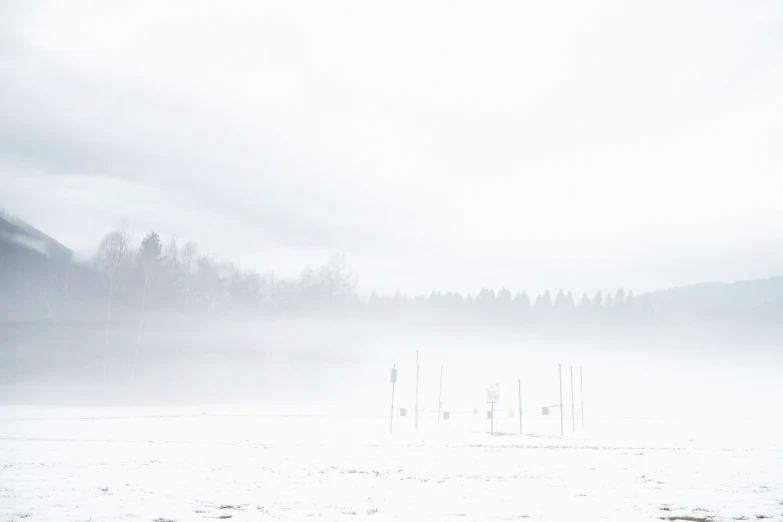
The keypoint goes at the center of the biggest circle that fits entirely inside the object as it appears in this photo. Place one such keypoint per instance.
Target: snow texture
(253, 464)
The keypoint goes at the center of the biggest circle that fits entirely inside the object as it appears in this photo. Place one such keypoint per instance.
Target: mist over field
(155, 323)
(414, 261)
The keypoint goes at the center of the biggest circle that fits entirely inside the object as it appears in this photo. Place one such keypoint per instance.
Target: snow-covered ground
(255, 464)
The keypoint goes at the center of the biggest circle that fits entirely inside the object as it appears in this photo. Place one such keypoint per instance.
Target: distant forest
(166, 319)
(156, 274)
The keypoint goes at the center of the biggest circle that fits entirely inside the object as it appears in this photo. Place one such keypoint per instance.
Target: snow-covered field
(254, 464)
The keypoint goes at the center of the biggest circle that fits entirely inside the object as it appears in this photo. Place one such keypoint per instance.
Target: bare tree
(149, 256)
(339, 277)
(109, 260)
(208, 281)
(146, 277)
(172, 252)
(189, 256)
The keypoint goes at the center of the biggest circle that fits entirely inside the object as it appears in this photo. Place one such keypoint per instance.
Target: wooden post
(492, 420)
(417, 392)
(573, 407)
(391, 422)
(440, 393)
(560, 377)
(520, 406)
(582, 397)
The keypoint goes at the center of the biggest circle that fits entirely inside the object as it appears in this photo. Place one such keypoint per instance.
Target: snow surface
(256, 464)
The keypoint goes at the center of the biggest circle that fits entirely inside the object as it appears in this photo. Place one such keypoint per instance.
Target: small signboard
(394, 374)
(493, 394)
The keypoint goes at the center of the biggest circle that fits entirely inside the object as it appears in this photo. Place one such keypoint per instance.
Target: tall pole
(440, 393)
(391, 422)
(492, 419)
(520, 405)
(560, 377)
(582, 397)
(417, 391)
(573, 408)
(393, 382)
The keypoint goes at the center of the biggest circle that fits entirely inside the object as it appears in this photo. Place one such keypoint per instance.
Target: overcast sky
(440, 145)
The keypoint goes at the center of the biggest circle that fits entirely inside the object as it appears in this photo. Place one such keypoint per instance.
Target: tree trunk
(106, 338)
(141, 325)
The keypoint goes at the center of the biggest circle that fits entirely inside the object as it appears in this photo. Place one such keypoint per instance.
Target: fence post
(582, 397)
(560, 378)
(417, 392)
(440, 393)
(519, 381)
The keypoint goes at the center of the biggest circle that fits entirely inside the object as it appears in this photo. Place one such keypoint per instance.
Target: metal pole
(440, 393)
(582, 397)
(391, 422)
(520, 406)
(573, 408)
(417, 391)
(560, 377)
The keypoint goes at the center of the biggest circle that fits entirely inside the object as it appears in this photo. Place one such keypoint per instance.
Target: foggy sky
(447, 145)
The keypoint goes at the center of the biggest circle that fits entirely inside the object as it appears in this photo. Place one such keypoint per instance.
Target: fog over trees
(145, 307)
(154, 274)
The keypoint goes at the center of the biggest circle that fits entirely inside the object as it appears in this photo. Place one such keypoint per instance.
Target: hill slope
(717, 297)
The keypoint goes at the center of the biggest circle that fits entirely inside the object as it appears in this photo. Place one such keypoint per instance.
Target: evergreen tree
(648, 311)
(570, 304)
(619, 298)
(544, 301)
(522, 304)
(503, 302)
(543, 308)
(630, 304)
(598, 301)
(151, 285)
(560, 300)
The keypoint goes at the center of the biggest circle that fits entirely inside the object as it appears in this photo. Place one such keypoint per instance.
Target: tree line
(134, 299)
(181, 276)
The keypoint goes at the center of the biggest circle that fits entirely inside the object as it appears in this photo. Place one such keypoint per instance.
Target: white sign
(493, 393)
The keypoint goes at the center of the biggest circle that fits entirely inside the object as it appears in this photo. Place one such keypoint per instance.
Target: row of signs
(493, 397)
(490, 414)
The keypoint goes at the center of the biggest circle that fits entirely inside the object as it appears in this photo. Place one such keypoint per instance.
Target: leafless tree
(148, 258)
(209, 280)
(189, 256)
(339, 277)
(172, 252)
(146, 276)
(109, 260)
